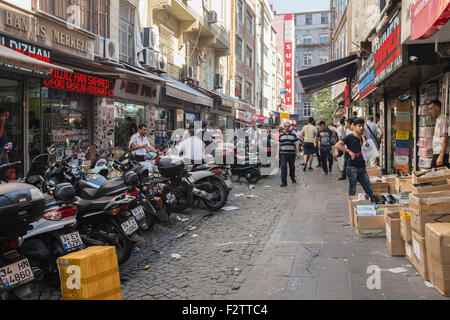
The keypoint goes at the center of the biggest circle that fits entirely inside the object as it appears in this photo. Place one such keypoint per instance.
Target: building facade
(313, 47)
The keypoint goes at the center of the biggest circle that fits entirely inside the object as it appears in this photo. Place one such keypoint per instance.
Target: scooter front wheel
(114, 237)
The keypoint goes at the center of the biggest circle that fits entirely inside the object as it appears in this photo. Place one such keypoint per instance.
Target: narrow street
(293, 243)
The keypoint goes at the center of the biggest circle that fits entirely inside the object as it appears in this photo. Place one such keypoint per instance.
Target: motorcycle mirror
(8, 146)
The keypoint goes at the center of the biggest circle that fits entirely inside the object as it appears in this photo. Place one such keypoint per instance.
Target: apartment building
(313, 47)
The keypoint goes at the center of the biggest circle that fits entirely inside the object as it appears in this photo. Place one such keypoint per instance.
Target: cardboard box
(428, 208)
(408, 251)
(437, 186)
(374, 172)
(438, 255)
(420, 255)
(394, 241)
(370, 226)
(380, 187)
(405, 225)
(417, 178)
(90, 274)
(352, 202)
(403, 184)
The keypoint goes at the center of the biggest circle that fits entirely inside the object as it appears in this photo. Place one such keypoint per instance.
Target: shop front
(224, 108)
(136, 103)
(245, 115)
(182, 105)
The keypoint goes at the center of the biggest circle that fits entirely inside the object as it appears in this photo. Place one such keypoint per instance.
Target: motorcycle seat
(111, 187)
(84, 205)
(200, 167)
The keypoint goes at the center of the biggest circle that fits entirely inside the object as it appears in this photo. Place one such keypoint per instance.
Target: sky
(292, 6)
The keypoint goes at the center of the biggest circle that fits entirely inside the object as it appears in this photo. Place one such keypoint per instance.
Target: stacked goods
(352, 202)
(369, 223)
(394, 242)
(439, 175)
(390, 179)
(419, 256)
(440, 185)
(403, 184)
(374, 172)
(428, 208)
(90, 274)
(405, 225)
(426, 126)
(437, 237)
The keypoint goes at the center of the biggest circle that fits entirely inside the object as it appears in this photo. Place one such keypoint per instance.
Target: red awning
(427, 17)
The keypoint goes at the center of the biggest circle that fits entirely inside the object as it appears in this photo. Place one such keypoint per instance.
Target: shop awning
(327, 74)
(229, 101)
(181, 91)
(140, 73)
(14, 60)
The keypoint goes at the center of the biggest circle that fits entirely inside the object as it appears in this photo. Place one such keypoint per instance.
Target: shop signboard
(289, 45)
(26, 49)
(146, 93)
(403, 117)
(402, 160)
(80, 83)
(427, 17)
(367, 77)
(388, 51)
(402, 135)
(244, 116)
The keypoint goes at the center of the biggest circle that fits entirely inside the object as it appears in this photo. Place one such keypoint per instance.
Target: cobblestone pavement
(217, 251)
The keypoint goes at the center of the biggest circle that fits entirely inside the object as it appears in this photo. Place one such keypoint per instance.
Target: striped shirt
(288, 142)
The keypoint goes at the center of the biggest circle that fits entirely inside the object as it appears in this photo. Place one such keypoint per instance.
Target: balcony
(212, 35)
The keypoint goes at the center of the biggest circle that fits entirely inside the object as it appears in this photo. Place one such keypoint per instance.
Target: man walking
(308, 135)
(356, 167)
(324, 137)
(374, 133)
(440, 139)
(347, 131)
(289, 148)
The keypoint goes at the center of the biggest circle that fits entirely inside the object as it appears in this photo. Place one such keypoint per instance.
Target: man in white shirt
(193, 149)
(139, 144)
(441, 147)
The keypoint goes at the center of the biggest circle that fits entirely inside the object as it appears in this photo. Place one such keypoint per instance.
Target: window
(249, 57)
(266, 51)
(240, 11)
(307, 58)
(126, 33)
(249, 22)
(324, 18)
(307, 109)
(324, 38)
(323, 59)
(307, 39)
(266, 78)
(308, 19)
(238, 48)
(238, 87)
(94, 14)
(248, 92)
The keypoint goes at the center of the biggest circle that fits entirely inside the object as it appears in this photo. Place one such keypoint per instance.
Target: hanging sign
(367, 77)
(402, 159)
(402, 135)
(427, 17)
(289, 80)
(388, 51)
(403, 117)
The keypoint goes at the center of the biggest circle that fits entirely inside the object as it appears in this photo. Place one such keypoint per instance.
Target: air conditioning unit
(187, 73)
(161, 63)
(151, 38)
(150, 59)
(99, 47)
(218, 81)
(111, 50)
(206, 4)
(212, 17)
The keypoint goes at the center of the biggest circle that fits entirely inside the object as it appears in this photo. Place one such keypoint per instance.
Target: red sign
(347, 95)
(261, 118)
(427, 17)
(81, 83)
(288, 73)
(388, 51)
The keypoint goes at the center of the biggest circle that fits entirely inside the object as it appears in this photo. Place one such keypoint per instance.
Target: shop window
(11, 101)
(127, 118)
(238, 87)
(163, 126)
(126, 33)
(35, 146)
(92, 15)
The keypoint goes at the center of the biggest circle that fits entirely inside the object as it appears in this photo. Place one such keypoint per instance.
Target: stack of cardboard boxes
(418, 229)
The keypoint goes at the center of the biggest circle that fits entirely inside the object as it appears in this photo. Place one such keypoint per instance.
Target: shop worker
(356, 166)
(139, 144)
(441, 146)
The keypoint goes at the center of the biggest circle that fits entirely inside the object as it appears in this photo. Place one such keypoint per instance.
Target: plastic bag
(341, 163)
(369, 150)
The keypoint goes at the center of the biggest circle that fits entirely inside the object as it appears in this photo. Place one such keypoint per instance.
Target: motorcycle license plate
(16, 274)
(130, 226)
(71, 241)
(138, 213)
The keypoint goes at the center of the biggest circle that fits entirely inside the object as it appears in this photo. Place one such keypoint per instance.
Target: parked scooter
(20, 205)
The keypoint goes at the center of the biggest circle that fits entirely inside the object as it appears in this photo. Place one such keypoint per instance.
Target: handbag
(376, 140)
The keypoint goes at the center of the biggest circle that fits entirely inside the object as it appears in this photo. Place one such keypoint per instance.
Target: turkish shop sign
(427, 17)
(80, 83)
(367, 77)
(139, 92)
(388, 52)
(29, 50)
